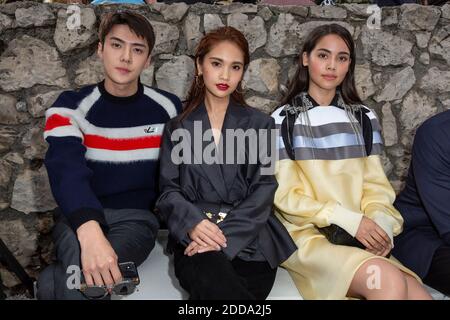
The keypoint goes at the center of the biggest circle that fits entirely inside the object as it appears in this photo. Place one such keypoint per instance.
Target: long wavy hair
(196, 94)
(300, 81)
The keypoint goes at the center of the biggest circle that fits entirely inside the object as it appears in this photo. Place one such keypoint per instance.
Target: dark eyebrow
(134, 43)
(220, 60)
(328, 51)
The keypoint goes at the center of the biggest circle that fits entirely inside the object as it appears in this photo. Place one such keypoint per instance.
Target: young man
(102, 163)
(424, 244)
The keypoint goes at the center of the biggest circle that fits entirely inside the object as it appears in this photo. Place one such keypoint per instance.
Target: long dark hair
(300, 81)
(196, 94)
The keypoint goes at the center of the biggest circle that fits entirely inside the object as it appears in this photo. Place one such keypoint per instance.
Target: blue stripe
(331, 141)
(377, 137)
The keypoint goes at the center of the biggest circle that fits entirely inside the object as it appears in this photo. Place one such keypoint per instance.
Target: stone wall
(403, 72)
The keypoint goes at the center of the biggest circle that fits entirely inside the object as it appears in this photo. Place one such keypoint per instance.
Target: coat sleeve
(179, 213)
(431, 169)
(378, 197)
(244, 221)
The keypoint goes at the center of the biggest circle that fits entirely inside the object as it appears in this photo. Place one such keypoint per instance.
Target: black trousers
(132, 234)
(438, 276)
(211, 276)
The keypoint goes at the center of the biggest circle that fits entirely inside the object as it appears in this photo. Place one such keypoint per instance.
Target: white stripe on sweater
(64, 131)
(112, 133)
(87, 103)
(165, 102)
(117, 156)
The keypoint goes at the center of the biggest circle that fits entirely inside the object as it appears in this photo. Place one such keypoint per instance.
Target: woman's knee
(379, 279)
(387, 278)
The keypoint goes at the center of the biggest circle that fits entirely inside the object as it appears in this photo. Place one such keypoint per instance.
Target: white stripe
(276, 115)
(94, 154)
(165, 102)
(87, 103)
(322, 115)
(371, 114)
(64, 131)
(112, 133)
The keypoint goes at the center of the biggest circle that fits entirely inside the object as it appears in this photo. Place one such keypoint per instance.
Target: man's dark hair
(135, 21)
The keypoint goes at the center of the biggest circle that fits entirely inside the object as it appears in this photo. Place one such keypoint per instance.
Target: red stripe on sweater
(98, 142)
(55, 121)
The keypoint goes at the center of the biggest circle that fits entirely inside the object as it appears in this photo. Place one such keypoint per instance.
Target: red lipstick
(222, 86)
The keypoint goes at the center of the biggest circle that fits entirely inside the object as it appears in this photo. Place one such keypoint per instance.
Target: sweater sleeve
(294, 203)
(68, 172)
(378, 197)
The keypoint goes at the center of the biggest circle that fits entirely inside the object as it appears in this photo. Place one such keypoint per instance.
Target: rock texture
(402, 72)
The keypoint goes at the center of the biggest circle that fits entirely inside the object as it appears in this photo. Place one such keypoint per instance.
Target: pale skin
(328, 64)
(223, 65)
(124, 56)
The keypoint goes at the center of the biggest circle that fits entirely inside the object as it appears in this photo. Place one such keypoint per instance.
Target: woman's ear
(199, 67)
(305, 59)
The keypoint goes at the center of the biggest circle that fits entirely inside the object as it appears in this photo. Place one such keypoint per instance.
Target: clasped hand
(373, 237)
(206, 236)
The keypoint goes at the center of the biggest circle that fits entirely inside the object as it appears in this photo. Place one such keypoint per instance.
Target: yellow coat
(317, 193)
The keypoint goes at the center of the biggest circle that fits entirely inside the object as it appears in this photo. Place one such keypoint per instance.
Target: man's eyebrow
(132, 43)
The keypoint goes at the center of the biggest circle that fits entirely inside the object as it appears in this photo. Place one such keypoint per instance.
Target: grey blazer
(188, 189)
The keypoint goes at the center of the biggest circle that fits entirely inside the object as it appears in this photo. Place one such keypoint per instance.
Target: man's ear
(147, 63)
(100, 50)
(305, 59)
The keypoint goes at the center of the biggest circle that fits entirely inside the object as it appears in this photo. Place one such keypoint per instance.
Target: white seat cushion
(158, 281)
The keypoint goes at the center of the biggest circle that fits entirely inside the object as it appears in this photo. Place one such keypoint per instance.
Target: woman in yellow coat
(334, 179)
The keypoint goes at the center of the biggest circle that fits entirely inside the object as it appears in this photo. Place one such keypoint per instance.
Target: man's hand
(207, 234)
(373, 237)
(98, 258)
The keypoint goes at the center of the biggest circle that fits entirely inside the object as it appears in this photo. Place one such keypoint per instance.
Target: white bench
(158, 281)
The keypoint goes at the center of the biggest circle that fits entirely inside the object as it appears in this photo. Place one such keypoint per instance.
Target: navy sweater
(103, 150)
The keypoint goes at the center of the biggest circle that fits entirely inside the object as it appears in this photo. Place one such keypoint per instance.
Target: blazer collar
(235, 112)
(221, 176)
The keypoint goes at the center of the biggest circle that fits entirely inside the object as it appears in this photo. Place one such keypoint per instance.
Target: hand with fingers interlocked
(373, 237)
(206, 236)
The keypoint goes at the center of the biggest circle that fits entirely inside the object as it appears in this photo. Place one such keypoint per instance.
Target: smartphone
(129, 272)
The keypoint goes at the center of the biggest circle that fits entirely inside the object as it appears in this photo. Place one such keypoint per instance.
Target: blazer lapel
(212, 171)
(236, 118)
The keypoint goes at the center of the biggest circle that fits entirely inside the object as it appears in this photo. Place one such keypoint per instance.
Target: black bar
(13, 265)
